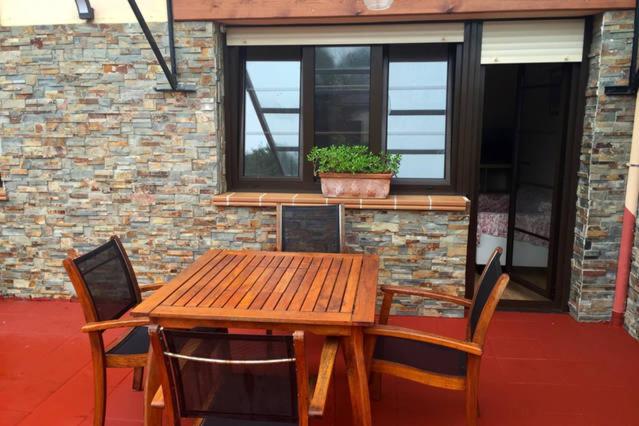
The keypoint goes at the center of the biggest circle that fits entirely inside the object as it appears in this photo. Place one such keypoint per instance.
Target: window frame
(417, 184)
(234, 72)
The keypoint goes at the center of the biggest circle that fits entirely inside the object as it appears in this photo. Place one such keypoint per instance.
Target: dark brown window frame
(234, 61)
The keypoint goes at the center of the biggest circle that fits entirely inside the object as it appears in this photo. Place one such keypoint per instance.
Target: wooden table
(327, 294)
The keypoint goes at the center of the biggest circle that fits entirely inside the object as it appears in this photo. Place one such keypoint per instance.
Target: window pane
(272, 118)
(416, 132)
(342, 95)
(422, 166)
(416, 115)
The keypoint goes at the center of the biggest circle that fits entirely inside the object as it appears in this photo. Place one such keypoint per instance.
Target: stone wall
(605, 150)
(631, 319)
(90, 149)
(414, 247)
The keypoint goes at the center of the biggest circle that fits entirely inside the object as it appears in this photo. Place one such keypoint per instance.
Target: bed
(533, 215)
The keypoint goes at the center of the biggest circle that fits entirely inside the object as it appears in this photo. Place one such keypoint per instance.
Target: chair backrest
(487, 293)
(310, 228)
(104, 281)
(236, 376)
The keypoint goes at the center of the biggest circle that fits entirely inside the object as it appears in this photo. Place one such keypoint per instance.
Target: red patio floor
(539, 369)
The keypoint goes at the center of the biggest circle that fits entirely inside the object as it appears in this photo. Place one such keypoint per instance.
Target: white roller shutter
(346, 34)
(533, 41)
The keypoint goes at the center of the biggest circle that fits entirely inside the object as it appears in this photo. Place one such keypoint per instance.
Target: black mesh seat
(424, 356)
(225, 421)
(109, 281)
(231, 379)
(136, 342)
(311, 228)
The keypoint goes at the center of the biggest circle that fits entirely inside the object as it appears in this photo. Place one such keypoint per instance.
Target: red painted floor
(540, 369)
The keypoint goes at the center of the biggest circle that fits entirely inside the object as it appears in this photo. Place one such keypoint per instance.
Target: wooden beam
(342, 11)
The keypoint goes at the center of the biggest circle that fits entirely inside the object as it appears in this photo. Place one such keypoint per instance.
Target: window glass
(342, 95)
(416, 115)
(272, 118)
(391, 98)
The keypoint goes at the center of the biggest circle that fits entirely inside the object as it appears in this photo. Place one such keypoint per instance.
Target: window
(271, 115)
(287, 99)
(342, 95)
(416, 112)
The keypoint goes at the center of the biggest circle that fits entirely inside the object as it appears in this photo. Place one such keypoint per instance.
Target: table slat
(324, 289)
(306, 284)
(318, 283)
(272, 273)
(327, 288)
(335, 302)
(197, 282)
(283, 274)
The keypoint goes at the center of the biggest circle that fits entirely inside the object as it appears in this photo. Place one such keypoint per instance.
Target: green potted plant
(353, 171)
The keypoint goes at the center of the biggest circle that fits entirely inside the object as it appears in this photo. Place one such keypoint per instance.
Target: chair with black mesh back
(107, 288)
(233, 379)
(310, 228)
(432, 359)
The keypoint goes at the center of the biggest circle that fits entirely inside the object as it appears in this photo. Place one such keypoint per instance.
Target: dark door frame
(473, 79)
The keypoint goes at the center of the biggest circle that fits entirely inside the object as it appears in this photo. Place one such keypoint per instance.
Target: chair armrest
(149, 287)
(422, 336)
(106, 325)
(397, 289)
(324, 375)
(158, 399)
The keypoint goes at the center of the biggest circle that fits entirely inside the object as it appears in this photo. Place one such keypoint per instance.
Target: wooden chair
(107, 288)
(432, 359)
(237, 379)
(310, 228)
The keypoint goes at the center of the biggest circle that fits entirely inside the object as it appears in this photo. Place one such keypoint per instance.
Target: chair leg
(472, 388)
(99, 380)
(472, 407)
(138, 378)
(376, 386)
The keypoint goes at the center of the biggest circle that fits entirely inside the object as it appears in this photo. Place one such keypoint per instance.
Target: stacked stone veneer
(90, 149)
(415, 248)
(605, 151)
(632, 308)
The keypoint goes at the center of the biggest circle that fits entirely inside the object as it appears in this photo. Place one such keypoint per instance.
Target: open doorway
(526, 126)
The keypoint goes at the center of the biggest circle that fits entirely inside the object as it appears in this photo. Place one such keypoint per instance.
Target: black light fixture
(84, 9)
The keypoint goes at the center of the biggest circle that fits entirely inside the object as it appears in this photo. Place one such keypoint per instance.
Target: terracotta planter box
(355, 185)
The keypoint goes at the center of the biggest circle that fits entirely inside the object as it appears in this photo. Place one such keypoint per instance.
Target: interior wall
(500, 112)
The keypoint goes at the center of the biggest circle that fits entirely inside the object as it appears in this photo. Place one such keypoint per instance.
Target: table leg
(152, 416)
(357, 378)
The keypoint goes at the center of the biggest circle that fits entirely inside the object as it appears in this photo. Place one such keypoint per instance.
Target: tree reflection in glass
(342, 95)
(272, 118)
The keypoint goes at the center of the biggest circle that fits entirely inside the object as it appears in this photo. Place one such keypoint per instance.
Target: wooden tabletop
(270, 287)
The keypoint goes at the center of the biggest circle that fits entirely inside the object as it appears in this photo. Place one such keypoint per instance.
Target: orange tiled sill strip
(452, 203)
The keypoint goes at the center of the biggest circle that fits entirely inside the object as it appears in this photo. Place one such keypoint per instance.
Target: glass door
(539, 141)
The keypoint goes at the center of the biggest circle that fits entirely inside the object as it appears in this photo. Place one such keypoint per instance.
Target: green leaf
(352, 159)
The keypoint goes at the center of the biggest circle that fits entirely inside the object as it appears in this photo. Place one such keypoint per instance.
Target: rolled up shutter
(533, 41)
(452, 32)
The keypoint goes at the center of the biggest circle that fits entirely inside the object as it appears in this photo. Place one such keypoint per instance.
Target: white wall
(52, 12)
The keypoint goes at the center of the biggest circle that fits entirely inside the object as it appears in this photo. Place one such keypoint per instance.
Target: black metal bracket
(171, 74)
(633, 73)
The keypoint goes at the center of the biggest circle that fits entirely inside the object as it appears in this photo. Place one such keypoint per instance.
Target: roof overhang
(282, 12)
